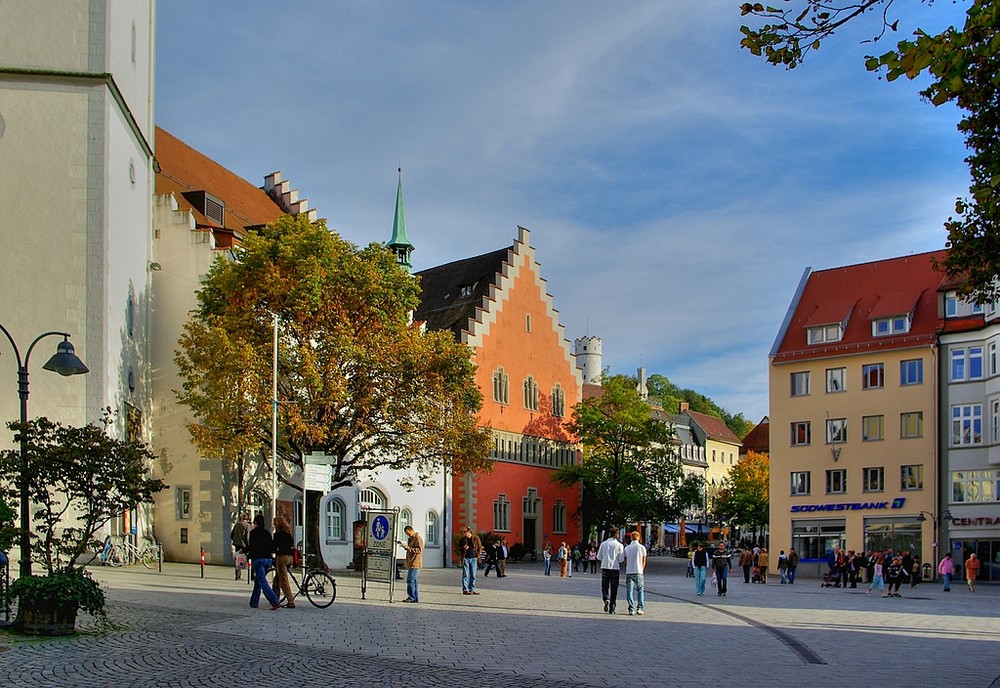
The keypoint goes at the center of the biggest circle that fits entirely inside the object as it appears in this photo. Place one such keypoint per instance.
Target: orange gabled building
(498, 305)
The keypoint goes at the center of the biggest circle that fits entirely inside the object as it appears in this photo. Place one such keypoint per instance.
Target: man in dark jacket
(722, 560)
(240, 537)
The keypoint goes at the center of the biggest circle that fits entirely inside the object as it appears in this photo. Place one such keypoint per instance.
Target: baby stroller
(830, 580)
(755, 576)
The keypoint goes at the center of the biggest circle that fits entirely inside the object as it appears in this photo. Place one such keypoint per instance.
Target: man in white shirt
(635, 565)
(610, 556)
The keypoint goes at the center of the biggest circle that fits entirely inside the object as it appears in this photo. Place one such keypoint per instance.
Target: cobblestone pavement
(177, 629)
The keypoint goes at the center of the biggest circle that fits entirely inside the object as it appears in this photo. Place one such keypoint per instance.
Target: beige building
(852, 411)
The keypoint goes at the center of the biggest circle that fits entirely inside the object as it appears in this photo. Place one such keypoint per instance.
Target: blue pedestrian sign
(380, 532)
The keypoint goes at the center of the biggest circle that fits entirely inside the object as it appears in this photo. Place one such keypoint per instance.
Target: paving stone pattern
(177, 629)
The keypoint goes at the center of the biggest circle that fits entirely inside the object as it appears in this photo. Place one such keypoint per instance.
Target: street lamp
(64, 362)
(936, 521)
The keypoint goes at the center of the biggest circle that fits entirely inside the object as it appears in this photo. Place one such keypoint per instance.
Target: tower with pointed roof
(400, 243)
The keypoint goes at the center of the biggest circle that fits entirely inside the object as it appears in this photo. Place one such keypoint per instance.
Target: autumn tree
(745, 496)
(964, 65)
(668, 396)
(358, 381)
(630, 470)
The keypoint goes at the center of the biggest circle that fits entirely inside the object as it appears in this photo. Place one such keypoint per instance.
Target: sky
(675, 186)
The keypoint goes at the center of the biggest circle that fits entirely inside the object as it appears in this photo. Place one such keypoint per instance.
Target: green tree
(964, 65)
(630, 470)
(745, 497)
(7, 529)
(358, 381)
(668, 396)
(78, 479)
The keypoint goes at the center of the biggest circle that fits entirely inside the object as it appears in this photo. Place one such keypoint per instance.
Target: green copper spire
(400, 243)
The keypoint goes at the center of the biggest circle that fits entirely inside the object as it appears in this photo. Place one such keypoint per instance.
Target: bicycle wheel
(272, 580)
(150, 557)
(116, 557)
(320, 588)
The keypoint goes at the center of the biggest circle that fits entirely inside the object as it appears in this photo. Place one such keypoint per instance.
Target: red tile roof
(183, 169)
(715, 428)
(859, 294)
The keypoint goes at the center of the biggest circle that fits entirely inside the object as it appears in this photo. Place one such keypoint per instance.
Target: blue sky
(676, 187)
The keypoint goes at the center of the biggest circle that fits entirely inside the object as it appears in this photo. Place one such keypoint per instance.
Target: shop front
(977, 532)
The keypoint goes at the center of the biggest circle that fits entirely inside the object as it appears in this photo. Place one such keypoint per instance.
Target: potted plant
(78, 479)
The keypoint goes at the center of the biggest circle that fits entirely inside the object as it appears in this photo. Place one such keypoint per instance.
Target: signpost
(380, 548)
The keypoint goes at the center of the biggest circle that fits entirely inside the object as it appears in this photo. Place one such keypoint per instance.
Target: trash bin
(926, 572)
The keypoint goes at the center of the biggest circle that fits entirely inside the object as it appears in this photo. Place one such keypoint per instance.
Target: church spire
(400, 243)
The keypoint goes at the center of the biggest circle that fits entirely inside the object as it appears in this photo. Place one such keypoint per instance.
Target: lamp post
(936, 521)
(64, 362)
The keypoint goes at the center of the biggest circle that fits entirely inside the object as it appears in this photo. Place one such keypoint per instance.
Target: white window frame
(836, 481)
(836, 430)
(432, 536)
(824, 334)
(994, 407)
(800, 383)
(872, 428)
(897, 324)
(966, 425)
(801, 429)
(800, 483)
(184, 496)
(975, 487)
(836, 380)
(911, 477)
(962, 361)
(911, 372)
(904, 423)
(866, 374)
(873, 479)
(333, 521)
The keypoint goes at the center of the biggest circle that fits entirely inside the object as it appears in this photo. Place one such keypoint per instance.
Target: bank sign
(897, 503)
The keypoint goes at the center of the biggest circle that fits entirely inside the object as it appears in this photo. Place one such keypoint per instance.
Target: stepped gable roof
(182, 170)
(451, 293)
(714, 428)
(855, 295)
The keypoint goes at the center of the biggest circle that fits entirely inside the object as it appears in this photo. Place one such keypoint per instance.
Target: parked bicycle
(319, 586)
(125, 553)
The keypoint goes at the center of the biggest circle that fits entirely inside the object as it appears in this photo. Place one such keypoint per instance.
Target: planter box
(48, 621)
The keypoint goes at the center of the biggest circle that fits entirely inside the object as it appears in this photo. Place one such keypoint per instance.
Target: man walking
(610, 556)
(722, 560)
(240, 537)
(635, 565)
(699, 562)
(492, 558)
(414, 547)
(793, 564)
(470, 548)
(746, 562)
(502, 559)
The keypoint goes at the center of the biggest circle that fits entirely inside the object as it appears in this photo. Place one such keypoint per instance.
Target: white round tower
(589, 358)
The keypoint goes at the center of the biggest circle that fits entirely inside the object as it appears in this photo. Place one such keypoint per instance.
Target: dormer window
(883, 327)
(825, 333)
(467, 290)
(955, 307)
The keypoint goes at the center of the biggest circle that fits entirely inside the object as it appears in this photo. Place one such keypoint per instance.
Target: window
(183, 495)
(911, 477)
(559, 517)
(955, 307)
(836, 430)
(899, 324)
(975, 486)
(501, 386)
(801, 434)
(967, 363)
(874, 479)
(836, 481)
(872, 376)
(370, 498)
(911, 425)
(333, 521)
(871, 428)
(531, 394)
(836, 379)
(825, 333)
(800, 483)
(467, 290)
(966, 424)
(951, 304)
(558, 401)
(911, 372)
(991, 358)
(405, 519)
(527, 322)
(501, 513)
(800, 384)
(431, 531)
(994, 421)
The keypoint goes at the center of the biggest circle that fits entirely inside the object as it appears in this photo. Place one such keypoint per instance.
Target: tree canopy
(630, 470)
(668, 396)
(358, 381)
(745, 496)
(964, 65)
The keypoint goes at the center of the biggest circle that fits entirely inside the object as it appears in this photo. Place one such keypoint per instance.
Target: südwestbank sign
(897, 503)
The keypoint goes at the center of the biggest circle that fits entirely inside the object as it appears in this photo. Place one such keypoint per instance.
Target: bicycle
(121, 553)
(319, 586)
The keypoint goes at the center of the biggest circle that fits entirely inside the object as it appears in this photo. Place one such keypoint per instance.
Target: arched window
(559, 517)
(432, 535)
(501, 386)
(333, 521)
(501, 513)
(405, 519)
(530, 394)
(370, 498)
(558, 401)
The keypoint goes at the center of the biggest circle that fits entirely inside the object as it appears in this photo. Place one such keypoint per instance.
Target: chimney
(684, 406)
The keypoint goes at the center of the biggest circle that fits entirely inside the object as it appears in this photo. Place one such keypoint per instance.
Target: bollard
(202, 562)
(159, 558)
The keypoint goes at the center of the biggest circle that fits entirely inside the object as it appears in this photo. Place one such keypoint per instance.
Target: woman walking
(547, 556)
(877, 581)
(972, 571)
(259, 550)
(283, 546)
